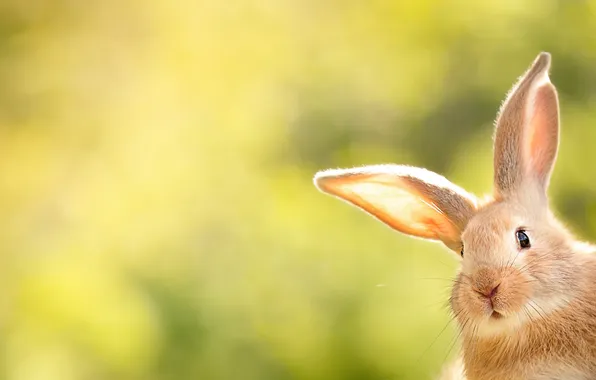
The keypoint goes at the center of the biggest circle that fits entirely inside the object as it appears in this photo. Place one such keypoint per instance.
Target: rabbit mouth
(496, 315)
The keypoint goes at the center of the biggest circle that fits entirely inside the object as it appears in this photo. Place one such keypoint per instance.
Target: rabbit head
(517, 261)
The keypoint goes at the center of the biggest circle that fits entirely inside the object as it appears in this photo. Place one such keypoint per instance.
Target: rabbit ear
(411, 200)
(527, 133)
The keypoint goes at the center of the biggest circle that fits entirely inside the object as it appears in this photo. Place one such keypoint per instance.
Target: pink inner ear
(431, 224)
(413, 201)
(391, 204)
(389, 200)
(543, 139)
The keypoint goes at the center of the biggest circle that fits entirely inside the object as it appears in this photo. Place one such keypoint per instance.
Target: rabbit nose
(490, 293)
(486, 283)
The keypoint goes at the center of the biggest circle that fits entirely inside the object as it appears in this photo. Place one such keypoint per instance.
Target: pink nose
(490, 293)
(493, 292)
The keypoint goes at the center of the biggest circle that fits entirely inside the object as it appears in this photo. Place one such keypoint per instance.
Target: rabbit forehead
(489, 237)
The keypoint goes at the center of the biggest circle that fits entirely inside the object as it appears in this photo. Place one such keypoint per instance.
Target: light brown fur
(524, 312)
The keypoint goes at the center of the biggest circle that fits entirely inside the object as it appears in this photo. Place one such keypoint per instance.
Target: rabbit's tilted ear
(527, 133)
(411, 200)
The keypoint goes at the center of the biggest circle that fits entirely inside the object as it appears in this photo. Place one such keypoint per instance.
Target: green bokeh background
(158, 218)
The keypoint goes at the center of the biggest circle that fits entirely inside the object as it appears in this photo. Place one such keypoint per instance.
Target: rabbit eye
(523, 239)
(462, 251)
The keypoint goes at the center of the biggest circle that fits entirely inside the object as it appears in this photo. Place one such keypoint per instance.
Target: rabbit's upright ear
(527, 134)
(411, 200)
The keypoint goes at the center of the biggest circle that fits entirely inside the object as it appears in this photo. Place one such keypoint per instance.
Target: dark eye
(462, 251)
(523, 239)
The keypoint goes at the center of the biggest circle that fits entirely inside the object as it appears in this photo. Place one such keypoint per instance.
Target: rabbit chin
(534, 310)
(490, 326)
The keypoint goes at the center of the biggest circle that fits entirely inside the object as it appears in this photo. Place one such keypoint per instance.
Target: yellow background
(157, 213)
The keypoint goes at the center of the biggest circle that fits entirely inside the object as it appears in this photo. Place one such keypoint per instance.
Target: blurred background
(158, 217)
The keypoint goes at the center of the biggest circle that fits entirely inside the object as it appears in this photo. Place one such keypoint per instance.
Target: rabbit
(524, 299)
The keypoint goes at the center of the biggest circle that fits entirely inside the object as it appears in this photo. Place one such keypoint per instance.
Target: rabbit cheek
(459, 299)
